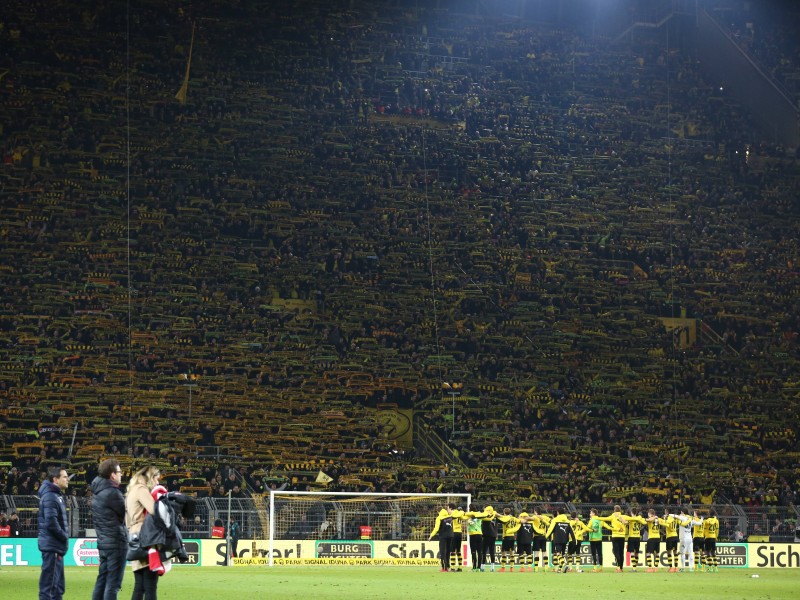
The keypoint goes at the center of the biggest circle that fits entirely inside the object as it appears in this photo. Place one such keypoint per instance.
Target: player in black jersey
(560, 531)
(444, 527)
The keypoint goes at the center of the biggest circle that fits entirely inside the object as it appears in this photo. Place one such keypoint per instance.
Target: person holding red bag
(139, 503)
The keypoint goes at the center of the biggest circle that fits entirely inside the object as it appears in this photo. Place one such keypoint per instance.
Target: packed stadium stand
(245, 240)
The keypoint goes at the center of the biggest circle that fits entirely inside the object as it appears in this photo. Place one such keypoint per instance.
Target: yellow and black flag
(323, 478)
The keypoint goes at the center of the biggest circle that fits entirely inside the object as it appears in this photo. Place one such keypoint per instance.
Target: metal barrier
(780, 523)
(737, 522)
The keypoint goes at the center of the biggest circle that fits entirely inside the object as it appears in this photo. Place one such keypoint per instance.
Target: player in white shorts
(686, 546)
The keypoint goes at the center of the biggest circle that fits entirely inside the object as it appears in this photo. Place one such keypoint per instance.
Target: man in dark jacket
(108, 514)
(13, 523)
(53, 533)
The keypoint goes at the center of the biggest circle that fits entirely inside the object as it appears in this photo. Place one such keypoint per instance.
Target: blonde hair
(145, 476)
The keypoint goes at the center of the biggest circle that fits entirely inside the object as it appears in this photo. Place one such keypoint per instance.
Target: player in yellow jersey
(653, 548)
(508, 540)
(618, 528)
(489, 534)
(635, 524)
(711, 533)
(456, 554)
(698, 542)
(580, 529)
(669, 525)
(540, 524)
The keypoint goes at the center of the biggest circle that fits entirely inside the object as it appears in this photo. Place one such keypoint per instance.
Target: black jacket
(108, 514)
(161, 528)
(14, 525)
(489, 528)
(53, 529)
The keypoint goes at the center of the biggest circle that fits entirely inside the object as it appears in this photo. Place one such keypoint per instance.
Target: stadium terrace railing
(428, 443)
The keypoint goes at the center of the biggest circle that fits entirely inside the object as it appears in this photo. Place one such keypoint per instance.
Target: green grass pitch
(422, 583)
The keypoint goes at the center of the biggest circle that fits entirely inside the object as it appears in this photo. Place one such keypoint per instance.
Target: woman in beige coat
(138, 504)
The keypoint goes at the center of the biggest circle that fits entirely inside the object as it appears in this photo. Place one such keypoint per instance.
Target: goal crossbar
(333, 519)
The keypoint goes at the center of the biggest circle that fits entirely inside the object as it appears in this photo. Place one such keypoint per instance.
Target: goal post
(320, 527)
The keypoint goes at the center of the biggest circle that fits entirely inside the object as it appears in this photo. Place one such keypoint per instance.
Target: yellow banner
(396, 425)
(773, 556)
(377, 562)
(424, 553)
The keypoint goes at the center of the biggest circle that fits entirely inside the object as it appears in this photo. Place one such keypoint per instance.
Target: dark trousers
(232, 551)
(145, 583)
(51, 580)
(618, 547)
(109, 576)
(444, 551)
(456, 548)
(488, 546)
(596, 546)
(475, 544)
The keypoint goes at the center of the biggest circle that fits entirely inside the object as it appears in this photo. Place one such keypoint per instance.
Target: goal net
(353, 528)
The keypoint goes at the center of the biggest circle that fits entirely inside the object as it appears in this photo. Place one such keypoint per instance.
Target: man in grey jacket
(108, 514)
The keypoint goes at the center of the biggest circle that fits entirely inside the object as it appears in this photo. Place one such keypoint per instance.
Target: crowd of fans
(564, 255)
